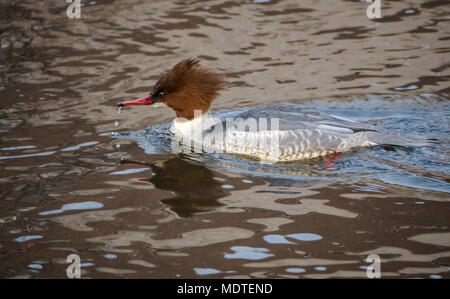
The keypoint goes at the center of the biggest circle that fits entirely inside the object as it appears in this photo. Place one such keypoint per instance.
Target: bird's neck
(200, 122)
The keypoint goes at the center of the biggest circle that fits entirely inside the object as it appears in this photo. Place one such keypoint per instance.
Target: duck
(279, 132)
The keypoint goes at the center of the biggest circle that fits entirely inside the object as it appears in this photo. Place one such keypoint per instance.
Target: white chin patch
(160, 104)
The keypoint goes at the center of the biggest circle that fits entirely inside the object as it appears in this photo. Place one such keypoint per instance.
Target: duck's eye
(160, 94)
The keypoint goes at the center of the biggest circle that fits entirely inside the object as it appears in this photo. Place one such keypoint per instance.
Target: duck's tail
(407, 140)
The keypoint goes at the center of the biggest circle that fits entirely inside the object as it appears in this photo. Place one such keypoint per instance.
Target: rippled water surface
(78, 177)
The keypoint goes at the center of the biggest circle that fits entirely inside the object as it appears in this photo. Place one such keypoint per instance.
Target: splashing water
(116, 123)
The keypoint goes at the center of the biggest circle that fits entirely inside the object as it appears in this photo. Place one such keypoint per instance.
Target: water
(72, 181)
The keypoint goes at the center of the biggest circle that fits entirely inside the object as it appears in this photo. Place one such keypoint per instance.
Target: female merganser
(189, 90)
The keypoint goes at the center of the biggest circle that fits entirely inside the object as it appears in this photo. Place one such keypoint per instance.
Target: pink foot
(329, 161)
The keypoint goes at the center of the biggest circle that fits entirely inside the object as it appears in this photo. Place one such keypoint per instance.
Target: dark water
(64, 189)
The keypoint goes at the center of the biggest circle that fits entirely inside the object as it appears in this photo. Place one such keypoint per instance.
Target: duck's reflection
(194, 186)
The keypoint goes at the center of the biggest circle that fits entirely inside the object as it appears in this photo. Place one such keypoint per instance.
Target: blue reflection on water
(77, 147)
(248, 253)
(85, 205)
(129, 171)
(28, 238)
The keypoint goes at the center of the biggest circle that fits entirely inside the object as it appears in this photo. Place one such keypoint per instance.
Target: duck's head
(185, 88)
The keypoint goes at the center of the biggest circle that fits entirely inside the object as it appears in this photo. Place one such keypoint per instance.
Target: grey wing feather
(291, 117)
(311, 133)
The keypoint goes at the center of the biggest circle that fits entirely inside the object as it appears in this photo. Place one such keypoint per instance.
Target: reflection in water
(190, 239)
(76, 147)
(26, 156)
(87, 205)
(27, 238)
(206, 271)
(248, 253)
(194, 186)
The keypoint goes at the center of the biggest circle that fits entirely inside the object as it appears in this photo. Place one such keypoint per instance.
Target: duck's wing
(300, 134)
(291, 117)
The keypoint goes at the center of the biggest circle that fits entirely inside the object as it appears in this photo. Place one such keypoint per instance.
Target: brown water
(63, 189)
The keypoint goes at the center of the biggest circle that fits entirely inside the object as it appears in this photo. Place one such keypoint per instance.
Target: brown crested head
(188, 87)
